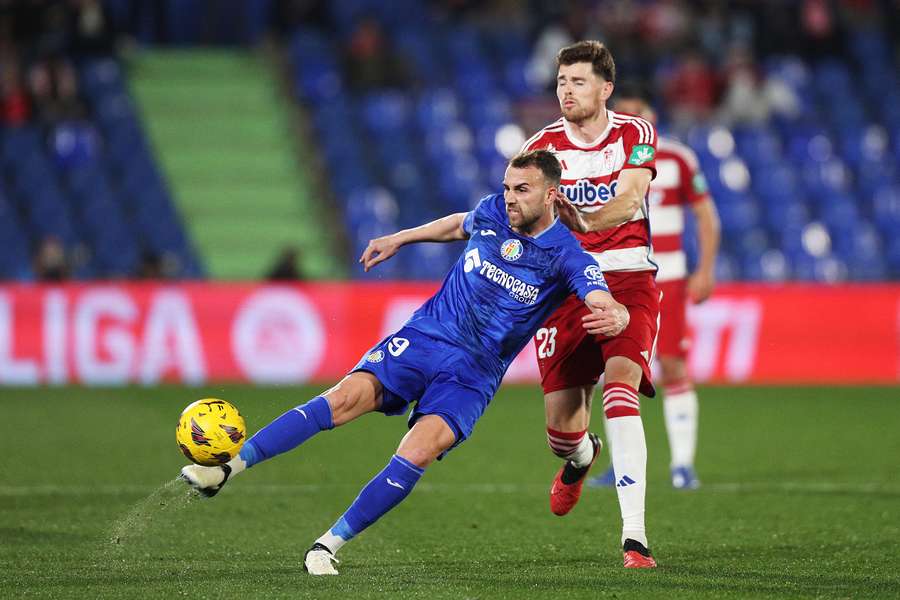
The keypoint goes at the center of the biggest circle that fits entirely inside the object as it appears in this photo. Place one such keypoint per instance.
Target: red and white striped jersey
(590, 173)
(679, 183)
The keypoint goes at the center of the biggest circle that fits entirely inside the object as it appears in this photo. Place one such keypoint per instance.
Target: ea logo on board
(511, 250)
(278, 337)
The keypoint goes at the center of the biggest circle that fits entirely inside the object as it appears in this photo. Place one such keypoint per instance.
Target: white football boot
(320, 561)
(206, 480)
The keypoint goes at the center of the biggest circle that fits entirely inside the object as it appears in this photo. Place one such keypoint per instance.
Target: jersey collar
(585, 145)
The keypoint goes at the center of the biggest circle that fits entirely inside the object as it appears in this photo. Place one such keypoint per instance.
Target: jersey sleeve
(582, 273)
(693, 183)
(639, 142)
(469, 221)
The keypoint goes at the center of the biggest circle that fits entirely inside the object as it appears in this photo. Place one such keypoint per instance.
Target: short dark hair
(589, 51)
(543, 160)
(633, 90)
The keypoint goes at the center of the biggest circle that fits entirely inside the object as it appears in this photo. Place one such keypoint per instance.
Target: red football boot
(566, 488)
(637, 556)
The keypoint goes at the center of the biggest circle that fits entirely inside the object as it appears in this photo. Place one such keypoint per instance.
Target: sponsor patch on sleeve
(641, 154)
(699, 183)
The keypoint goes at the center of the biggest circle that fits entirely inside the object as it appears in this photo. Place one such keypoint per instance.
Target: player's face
(528, 199)
(582, 93)
(636, 106)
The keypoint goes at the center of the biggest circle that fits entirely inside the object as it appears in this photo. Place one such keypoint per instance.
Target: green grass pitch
(801, 499)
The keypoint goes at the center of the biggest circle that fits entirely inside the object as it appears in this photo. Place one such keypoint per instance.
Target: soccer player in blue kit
(519, 265)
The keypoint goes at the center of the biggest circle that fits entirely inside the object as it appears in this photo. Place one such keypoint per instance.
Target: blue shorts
(443, 380)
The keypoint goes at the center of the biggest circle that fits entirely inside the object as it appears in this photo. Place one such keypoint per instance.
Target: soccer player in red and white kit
(608, 160)
(678, 184)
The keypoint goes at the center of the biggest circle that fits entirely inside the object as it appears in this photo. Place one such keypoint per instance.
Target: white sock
(681, 408)
(237, 465)
(628, 448)
(582, 455)
(331, 541)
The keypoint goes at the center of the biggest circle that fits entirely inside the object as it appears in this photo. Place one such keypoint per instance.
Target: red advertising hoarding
(114, 334)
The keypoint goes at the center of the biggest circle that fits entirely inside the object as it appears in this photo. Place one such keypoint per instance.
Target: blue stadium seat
(421, 54)
(759, 146)
(318, 81)
(892, 257)
(727, 268)
(830, 269)
(15, 260)
(431, 261)
(738, 212)
(385, 113)
(802, 265)
(438, 108)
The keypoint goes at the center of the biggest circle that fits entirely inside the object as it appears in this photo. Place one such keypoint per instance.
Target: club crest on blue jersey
(375, 357)
(511, 250)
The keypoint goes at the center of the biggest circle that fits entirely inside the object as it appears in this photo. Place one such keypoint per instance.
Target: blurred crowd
(706, 61)
(703, 57)
(40, 44)
(40, 41)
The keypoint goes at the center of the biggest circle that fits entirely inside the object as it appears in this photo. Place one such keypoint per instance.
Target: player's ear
(548, 194)
(606, 89)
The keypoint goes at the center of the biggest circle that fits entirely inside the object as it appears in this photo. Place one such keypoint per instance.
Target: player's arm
(607, 317)
(630, 191)
(445, 229)
(585, 279)
(702, 280)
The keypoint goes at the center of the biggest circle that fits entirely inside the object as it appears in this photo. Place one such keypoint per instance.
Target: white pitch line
(822, 487)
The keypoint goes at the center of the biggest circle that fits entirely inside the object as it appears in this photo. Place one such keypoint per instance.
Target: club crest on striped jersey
(511, 250)
(608, 159)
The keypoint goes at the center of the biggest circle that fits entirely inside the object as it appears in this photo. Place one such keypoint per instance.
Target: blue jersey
(504, 286)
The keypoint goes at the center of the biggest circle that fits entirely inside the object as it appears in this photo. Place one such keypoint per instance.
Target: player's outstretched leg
(580, 449)
(680, 408)
(284, 433)
(355, 395)
(428, 438)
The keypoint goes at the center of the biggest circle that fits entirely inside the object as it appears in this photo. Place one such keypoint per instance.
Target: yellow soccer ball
(210, 432)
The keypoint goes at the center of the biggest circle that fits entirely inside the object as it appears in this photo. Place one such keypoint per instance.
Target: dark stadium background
(185, 186)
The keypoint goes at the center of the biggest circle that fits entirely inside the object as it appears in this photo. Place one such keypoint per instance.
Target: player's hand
(568, 214)
(700, 286)
(379, 250)
(607, 317)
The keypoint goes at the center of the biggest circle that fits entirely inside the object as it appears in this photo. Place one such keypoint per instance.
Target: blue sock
(385, 491)
(288, 431)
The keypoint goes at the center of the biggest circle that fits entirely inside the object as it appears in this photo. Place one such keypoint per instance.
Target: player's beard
(579, 113)
(526, 221)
